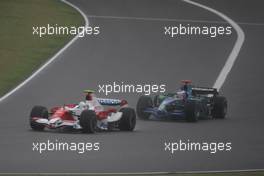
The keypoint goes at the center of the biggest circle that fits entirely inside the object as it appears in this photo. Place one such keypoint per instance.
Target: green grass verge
(21, 52)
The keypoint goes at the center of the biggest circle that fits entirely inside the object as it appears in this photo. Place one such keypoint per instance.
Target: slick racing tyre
(128, 119)
(88, 121)
(143, 103)
(192, 112)
(220, 107)
(40, 112)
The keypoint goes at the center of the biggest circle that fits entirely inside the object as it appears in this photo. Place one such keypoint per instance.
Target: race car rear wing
(204, 91)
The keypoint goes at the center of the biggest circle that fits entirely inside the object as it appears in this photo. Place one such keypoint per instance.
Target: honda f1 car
(189, 102)
(88, 116)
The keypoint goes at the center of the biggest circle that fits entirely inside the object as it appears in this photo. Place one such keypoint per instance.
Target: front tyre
(143, 103)
(88, 121)
(128, 119)
(219, 110)
(38, 112)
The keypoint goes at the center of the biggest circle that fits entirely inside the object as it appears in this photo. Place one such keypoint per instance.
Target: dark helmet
(88, 96)
(185, 84)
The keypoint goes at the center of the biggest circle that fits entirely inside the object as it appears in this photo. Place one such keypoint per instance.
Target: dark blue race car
(189, 102)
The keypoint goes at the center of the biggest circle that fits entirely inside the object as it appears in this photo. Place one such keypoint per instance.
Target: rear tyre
(40, 112)
(220, 107)
(128, 119)
(88, 121)
(192, 112)
(143, 103)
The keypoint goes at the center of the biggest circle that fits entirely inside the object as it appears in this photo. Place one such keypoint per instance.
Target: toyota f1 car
(88, 116)
(190, 103)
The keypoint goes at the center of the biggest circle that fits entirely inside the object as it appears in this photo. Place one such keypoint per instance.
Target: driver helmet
(89, 95)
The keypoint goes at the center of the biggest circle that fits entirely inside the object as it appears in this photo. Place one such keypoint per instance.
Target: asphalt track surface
(136, 51)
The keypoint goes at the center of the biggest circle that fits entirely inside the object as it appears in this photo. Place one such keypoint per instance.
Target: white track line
(51, 59)
(234, 53)
(168, 19)
(154, 19)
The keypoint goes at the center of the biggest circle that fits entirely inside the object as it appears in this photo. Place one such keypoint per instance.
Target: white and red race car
(88, 116)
